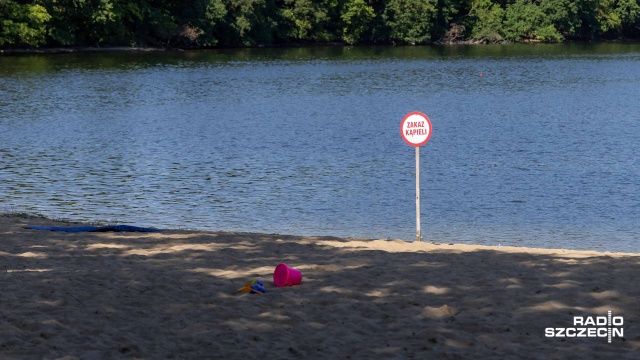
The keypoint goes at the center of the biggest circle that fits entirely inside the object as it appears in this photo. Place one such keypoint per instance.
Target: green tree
(526, 20)
(87, 22)
(449, 13)
(104, 22)
(23, 24)
(563, 14)
(488, 18)
(247, 22)
(309, 19)
(357, 18)
(66, 23)
(618, 17)
(589, 19)
(608, 18)
(205, 23)
(205, 16)
(629, 13)
(411, 21)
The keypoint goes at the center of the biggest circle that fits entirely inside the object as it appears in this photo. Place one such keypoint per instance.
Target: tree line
(240, 23)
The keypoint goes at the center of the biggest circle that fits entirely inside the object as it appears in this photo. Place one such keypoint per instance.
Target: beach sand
(175, 295)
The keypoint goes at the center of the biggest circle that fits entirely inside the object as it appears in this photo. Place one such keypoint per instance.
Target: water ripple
(538, 151)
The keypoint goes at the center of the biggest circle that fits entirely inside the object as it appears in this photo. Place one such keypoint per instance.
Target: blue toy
(253, 287)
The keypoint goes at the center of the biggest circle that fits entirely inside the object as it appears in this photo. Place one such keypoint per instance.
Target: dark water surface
(542, 150)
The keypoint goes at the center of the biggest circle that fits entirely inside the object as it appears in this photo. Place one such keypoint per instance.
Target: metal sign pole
(415, 130)
(418, 235)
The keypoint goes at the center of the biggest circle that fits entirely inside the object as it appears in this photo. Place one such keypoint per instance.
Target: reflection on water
(538, 151)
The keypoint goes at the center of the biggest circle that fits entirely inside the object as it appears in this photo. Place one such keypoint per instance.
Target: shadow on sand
(174, 295)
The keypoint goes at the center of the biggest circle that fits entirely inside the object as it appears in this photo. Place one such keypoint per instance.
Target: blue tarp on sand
(75, 229)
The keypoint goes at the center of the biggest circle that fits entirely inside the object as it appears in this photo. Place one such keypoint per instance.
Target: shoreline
(84, 50)
(132, 49)
(175, 293)
(40, 219)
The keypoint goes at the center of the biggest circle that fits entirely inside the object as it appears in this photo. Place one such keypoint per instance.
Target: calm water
(541, 150)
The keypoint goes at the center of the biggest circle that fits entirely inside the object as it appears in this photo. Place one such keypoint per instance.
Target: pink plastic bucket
(286, 276)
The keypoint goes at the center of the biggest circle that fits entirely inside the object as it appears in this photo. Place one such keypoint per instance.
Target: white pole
(418, 235)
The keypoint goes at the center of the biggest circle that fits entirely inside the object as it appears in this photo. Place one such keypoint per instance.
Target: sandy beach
(175, 295)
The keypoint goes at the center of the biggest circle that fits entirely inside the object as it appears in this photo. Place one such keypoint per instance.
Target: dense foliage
(209, 23)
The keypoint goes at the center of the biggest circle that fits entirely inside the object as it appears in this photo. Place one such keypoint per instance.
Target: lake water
(532, 145)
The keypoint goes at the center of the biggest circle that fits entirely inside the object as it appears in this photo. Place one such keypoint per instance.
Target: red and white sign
(415, 129)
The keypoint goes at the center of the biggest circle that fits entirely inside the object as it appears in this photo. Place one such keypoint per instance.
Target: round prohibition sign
(415, 129)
